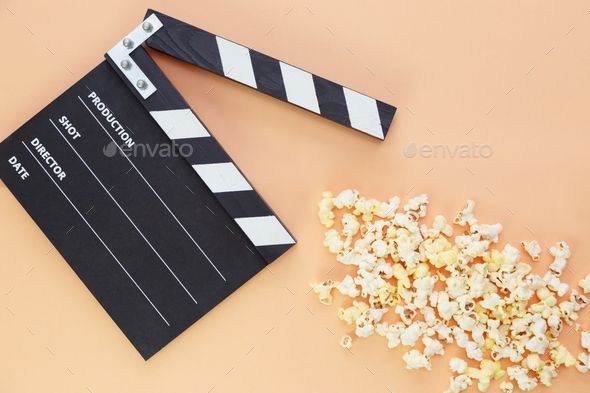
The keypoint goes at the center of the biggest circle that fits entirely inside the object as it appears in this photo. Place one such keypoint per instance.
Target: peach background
(447, 65)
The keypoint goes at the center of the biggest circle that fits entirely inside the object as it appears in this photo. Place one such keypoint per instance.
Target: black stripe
(331, 100)
(244, 204)
(187, 43)
(269, 78)
(202, 151)
(270, 253)
(386, 113)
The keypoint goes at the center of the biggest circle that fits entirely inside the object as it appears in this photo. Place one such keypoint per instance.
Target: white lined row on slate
(213, 165)
(272, 76)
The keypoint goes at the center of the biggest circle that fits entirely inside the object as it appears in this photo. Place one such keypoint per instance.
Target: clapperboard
(104, 171)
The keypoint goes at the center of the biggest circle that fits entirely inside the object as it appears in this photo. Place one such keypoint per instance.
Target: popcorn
(507, 387)
(473, 351)
(423, 286)
(346, 342)
(458, 384)
(555, 324)
(351, 314)
(458, 365)
(487, 232)
(579, 300)
(519, 374)
(440, 226)
(350, 225)
(432, 347)
(377, 313)
(364, 208)
(533, 362)
(380, 248)
(443, 332)
(382, 329)
(412, 334)
(429, 315)
(387, 210)
(555, 284)
(568, 312)
(560, 355)
(561, 252)
(415, 360)
(546, 374)
(446, 308)
(585, 284)
(491, 301)
(394, 333)
(487, 371)
(348, 287)
(406, 313)
(477, 333)
(346, 198)
(456, 285)
(333, 241)
(466, 321)
(538, 344)
(583, 363)
(384, 269)
(532, 248)
(487, 301)
(538, 325)
(586, 340)
(364, 327)
(325, 212)
(466, 216)
(417, 204)
(368, 283)
(323, 290)
(461, 338)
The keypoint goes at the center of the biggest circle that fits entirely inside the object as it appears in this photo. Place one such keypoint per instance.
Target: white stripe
(265, 231)
(299, 87)
(96, 234)
(363, 112)
(224, 177)
(180, 124)
(236, 62)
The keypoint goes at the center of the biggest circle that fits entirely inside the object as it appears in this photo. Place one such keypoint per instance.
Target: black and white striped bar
(210, 161)
(271, 76)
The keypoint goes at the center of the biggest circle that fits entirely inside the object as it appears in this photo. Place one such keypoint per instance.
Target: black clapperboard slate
(161, 234)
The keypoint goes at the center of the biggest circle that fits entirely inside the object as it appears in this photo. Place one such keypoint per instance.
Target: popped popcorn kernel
(415, 360)
(323, 290)
(346, 342)
(506, 387)
(532, 248)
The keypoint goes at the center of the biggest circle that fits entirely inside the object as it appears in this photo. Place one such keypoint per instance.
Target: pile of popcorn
(489, 302)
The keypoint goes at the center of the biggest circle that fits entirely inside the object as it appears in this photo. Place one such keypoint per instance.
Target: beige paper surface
(513, 75)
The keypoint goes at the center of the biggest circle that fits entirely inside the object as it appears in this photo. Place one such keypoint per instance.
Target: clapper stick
(271, 76)
(214, 166)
